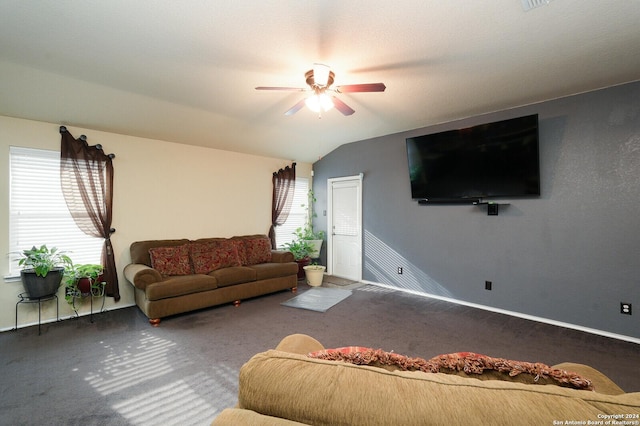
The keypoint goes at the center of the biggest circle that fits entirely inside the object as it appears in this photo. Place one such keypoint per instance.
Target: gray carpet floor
(121, 371)
(319, 299)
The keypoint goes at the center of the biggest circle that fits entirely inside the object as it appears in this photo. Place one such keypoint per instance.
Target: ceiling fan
(320, 79)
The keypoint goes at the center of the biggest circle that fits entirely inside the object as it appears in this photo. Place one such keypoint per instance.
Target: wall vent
(532, 4)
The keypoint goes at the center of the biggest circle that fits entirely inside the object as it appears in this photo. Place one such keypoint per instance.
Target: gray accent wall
(571, 255)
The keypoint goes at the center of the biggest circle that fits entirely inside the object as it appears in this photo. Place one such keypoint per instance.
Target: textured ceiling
(185, 71)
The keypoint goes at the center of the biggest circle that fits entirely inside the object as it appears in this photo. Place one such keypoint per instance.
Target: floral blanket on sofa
(462, 363)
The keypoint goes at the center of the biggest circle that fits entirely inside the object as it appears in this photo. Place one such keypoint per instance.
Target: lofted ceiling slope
(186, 71)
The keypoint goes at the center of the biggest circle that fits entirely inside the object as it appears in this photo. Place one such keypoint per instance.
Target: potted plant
(300, 249)
(83, 280)
(43, 269)
(307, 233)
(314, 239)
(314, 274)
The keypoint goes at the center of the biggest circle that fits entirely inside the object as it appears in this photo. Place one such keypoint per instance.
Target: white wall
(161, 190)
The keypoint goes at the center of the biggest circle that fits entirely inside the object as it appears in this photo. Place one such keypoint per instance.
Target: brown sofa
(175, 276)
(285, 387)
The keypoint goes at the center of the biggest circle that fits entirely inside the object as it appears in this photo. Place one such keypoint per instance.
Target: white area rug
(318, 299)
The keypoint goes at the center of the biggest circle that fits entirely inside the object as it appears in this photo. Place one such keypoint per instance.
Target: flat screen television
(498, 159)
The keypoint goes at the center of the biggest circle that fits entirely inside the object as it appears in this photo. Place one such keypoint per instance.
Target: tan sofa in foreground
(284, 386)
(175, 276)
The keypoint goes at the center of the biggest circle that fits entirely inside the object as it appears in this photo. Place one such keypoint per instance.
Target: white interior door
(344, 250)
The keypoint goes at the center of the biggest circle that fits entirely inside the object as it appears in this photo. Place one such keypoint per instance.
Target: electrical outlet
(487, 285)
(625, 308)
(400, 270)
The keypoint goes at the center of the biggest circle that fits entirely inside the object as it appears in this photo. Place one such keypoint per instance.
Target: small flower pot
(84, 285)
(315, 274)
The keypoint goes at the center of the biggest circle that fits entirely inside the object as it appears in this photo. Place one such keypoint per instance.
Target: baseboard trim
(512, 313)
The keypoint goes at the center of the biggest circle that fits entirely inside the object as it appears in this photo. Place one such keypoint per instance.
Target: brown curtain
(284, 185)
(86, 175)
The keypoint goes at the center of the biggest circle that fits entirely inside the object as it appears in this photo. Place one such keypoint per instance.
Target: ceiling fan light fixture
(320, 78)
(318, 102)
(321, 74)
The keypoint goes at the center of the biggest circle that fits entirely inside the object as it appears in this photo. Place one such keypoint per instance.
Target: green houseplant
(82, 280)
(300, 249)
(307, 232)
(43, 269)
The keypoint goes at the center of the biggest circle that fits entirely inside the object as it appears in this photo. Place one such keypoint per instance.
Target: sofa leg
(236, 303)
(154, 321)
(294, 289)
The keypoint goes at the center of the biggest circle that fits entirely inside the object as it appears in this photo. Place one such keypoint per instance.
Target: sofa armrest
(299, 344)
(281, 256)
(141, 275)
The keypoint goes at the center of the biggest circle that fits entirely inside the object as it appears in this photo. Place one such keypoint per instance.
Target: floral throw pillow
(256, 250)
(214, 255)
(171, 260)
(241, 252)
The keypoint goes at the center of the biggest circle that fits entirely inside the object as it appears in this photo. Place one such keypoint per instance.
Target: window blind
(38, 213)
(297, 216)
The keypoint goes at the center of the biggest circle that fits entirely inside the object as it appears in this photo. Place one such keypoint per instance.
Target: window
(38, 213)
(298, 215)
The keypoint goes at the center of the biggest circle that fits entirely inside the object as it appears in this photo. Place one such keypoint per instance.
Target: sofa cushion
(254, 249)
(171, 260)
(179, 286)
(213, 255)
(274, 270)
(238, 416)
(233, 275)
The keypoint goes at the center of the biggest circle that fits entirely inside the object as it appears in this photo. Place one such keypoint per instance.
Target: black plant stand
(91, 296)
(25, 298)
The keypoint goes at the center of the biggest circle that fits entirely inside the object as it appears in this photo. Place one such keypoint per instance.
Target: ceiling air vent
(532, 4)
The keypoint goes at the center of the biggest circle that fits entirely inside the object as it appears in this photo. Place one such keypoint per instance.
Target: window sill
(11, 278)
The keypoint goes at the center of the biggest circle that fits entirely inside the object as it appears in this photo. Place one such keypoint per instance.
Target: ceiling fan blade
(367, 87)
(342, 107)
(297, 107)
(294, 89)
